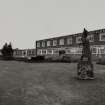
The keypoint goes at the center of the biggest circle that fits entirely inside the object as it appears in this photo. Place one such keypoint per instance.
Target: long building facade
(71, 44)
(24, 53)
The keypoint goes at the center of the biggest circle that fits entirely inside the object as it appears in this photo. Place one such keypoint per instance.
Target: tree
(10, 50)
(7, 51)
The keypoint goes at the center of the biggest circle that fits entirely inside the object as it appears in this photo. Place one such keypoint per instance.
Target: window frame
(69, 40)
(48, 43)
(38, 44)
(43, 44)
(54, 41)
(100, 35)
(77, 38)
(91, 37)
(60, 41)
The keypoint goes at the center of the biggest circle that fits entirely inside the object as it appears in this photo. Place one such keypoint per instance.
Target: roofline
(69, 35)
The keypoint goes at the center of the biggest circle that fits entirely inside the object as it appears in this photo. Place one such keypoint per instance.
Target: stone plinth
(85, 70)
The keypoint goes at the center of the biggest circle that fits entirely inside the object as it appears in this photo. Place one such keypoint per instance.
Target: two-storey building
(71, 44)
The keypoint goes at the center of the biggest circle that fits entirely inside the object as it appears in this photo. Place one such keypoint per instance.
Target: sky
(22, 22)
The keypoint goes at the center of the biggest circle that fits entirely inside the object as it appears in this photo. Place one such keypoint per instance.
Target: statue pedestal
(85, 69)
(85, 66)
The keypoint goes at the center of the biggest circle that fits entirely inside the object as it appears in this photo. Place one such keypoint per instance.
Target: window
(54, 42)
(94, 50)
(61, 42)
(43, 44)
(91, 38)
(43, 51)
(102, 37)
(72, 50)
(28, 52)
(61, 52)
(79, 51)
(38, 44)
(49, 51)
(69, 41)
(48, 43)
(56, 51)
(24, 53)
(78, 39)
(68, 51)
(39, 52)
(33, 52)
(102, 50)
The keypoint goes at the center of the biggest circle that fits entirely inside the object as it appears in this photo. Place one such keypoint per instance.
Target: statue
(85, 66)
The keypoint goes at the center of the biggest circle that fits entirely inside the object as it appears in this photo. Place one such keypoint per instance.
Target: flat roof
(71, 35)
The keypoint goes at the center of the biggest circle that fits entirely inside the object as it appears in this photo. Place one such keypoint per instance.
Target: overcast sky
(22, 22)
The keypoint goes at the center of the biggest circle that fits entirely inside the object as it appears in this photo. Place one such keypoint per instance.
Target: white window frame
(45, 52)
(61, 41)
(69, 41)
(92, 36)
(95, 49)
(43, 43)
(55, 51)
(54, 42)
(101, 39)
(49, 51)
(39, 52)
(38, 44)
(49, 43)
(77, 39)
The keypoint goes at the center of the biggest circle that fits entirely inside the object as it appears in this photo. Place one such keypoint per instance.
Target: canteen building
(24, 53)
(71, 44)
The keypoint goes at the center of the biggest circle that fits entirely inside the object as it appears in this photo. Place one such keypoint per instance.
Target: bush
(57, 58)
(66, 59)
(101, 61)
(36, 59)
(7, 52)
(48, 59)
(6, 58)
(75, 58)
(20, 59)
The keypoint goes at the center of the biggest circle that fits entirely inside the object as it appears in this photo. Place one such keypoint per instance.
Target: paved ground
(49, 84)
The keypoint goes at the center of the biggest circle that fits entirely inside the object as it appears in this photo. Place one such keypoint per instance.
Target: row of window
(61, 42)
(24, 53)
(72, 50)
(69, 41)
(44, 52)
(90, 37)
(55, 43)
